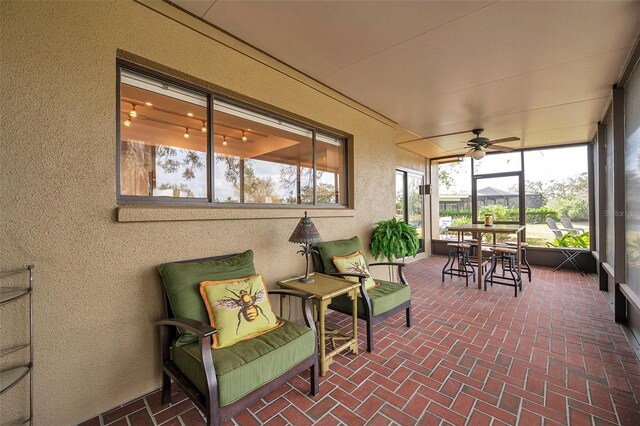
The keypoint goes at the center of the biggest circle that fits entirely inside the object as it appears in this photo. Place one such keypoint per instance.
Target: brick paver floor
(551, 356)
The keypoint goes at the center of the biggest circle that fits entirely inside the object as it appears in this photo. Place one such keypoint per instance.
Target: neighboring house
(488, 196)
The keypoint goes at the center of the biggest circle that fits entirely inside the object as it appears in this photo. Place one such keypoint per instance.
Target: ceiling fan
(479, 145)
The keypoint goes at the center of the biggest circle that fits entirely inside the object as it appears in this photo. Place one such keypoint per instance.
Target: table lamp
(305, 234)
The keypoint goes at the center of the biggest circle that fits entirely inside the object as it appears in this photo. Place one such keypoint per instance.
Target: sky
(542, 165)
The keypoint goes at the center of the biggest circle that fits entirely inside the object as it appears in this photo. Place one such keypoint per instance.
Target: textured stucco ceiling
(538, 70)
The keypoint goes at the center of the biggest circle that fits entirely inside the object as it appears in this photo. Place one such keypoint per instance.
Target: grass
(538, 234)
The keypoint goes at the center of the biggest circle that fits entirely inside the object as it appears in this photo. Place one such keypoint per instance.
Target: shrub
(572, 207)
(541, 214)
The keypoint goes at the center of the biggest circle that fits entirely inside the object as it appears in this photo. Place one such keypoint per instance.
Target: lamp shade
(305, 232)
(478, 153)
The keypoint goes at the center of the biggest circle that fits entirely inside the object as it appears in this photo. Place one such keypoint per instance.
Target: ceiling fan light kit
(478, 153)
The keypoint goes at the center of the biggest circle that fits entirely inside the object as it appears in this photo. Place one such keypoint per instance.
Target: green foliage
(502, 213)
(541, 214)
(394, 239)
(573, 207)
(455, 213)
(571, 240)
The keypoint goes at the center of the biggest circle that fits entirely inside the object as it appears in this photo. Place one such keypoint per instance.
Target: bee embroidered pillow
(238, 308)
(354, 263)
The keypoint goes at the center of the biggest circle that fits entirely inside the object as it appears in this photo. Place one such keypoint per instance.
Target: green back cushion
(238, 308)
(182, 284)
(328, 249)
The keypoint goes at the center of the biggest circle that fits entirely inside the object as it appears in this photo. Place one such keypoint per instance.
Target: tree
(256, 189)
(447, 172)
(325, 192)
(172, 160)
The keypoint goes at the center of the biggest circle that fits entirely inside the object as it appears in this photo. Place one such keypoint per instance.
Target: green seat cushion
(341, 248)
(182, 284)
(385, 297)
(249, 364)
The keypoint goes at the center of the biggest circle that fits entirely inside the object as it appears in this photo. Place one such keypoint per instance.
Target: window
(163, 149)
(181, 145)
(450, 194)
(557, 186)
(409, 201)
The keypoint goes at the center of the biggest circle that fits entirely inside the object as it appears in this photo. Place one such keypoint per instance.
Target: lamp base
(306, 280)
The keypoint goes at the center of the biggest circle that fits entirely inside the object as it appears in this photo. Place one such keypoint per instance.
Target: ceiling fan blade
(468, 154)
(499, 148)
(511, 139)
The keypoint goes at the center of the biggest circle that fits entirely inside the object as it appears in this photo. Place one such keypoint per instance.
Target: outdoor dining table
(478, 230)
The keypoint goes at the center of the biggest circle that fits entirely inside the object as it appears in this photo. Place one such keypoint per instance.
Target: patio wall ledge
(176, 214)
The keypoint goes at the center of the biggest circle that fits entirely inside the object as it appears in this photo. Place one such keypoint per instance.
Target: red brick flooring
(551, 356)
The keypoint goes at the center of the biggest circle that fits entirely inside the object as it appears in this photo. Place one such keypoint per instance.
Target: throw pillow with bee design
(238, 308)
(354, 263)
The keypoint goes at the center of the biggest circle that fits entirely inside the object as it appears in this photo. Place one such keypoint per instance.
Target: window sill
(176, 214)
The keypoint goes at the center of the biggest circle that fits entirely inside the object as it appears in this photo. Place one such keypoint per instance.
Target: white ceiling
(538, 70)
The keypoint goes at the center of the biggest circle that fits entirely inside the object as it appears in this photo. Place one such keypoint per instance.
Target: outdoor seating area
(320, 213)
(469, 358)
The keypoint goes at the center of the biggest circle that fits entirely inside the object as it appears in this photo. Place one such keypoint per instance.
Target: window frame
(209, 201)
(522, 178)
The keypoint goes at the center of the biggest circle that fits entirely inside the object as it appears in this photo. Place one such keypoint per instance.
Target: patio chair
(375, 304)
(566, 222)
(223, 382)
(570, 253)
(558, 232)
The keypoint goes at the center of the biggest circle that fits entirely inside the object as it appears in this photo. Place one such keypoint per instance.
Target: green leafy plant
(571, 240)
(394, 239)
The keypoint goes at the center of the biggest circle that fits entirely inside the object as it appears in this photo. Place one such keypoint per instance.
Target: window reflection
(163, 149)
(262, 160)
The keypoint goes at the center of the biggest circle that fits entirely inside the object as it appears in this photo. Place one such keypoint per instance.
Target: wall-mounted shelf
(11, 375)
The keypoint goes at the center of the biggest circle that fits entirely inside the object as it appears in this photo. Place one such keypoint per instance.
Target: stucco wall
(97, 294)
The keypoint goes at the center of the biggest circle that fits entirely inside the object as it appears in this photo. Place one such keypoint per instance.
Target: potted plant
(394, 239)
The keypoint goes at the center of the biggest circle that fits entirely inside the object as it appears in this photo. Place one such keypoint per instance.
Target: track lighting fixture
(133, 112)
(186, 133)
(127, 122)
(244, 137)
(204, 127)
(149, 104)
(224, 141)
(190, 114)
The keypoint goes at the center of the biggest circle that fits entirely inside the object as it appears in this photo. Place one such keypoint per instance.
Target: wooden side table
(325, 288)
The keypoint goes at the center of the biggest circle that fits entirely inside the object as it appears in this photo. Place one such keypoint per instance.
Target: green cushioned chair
(223, 382)
(374, 305)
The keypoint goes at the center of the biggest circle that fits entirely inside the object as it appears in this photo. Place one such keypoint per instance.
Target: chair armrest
(363, 289)
(197, 327)
(348, 274)
(399, 264)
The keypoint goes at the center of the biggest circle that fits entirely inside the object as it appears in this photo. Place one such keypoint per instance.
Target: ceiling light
(190, 114)
(478, 153)
(204, 127)
(244, 137)
(127, 122)
(149, 104)
(186, 133)
(224, 141)
(133, 112)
